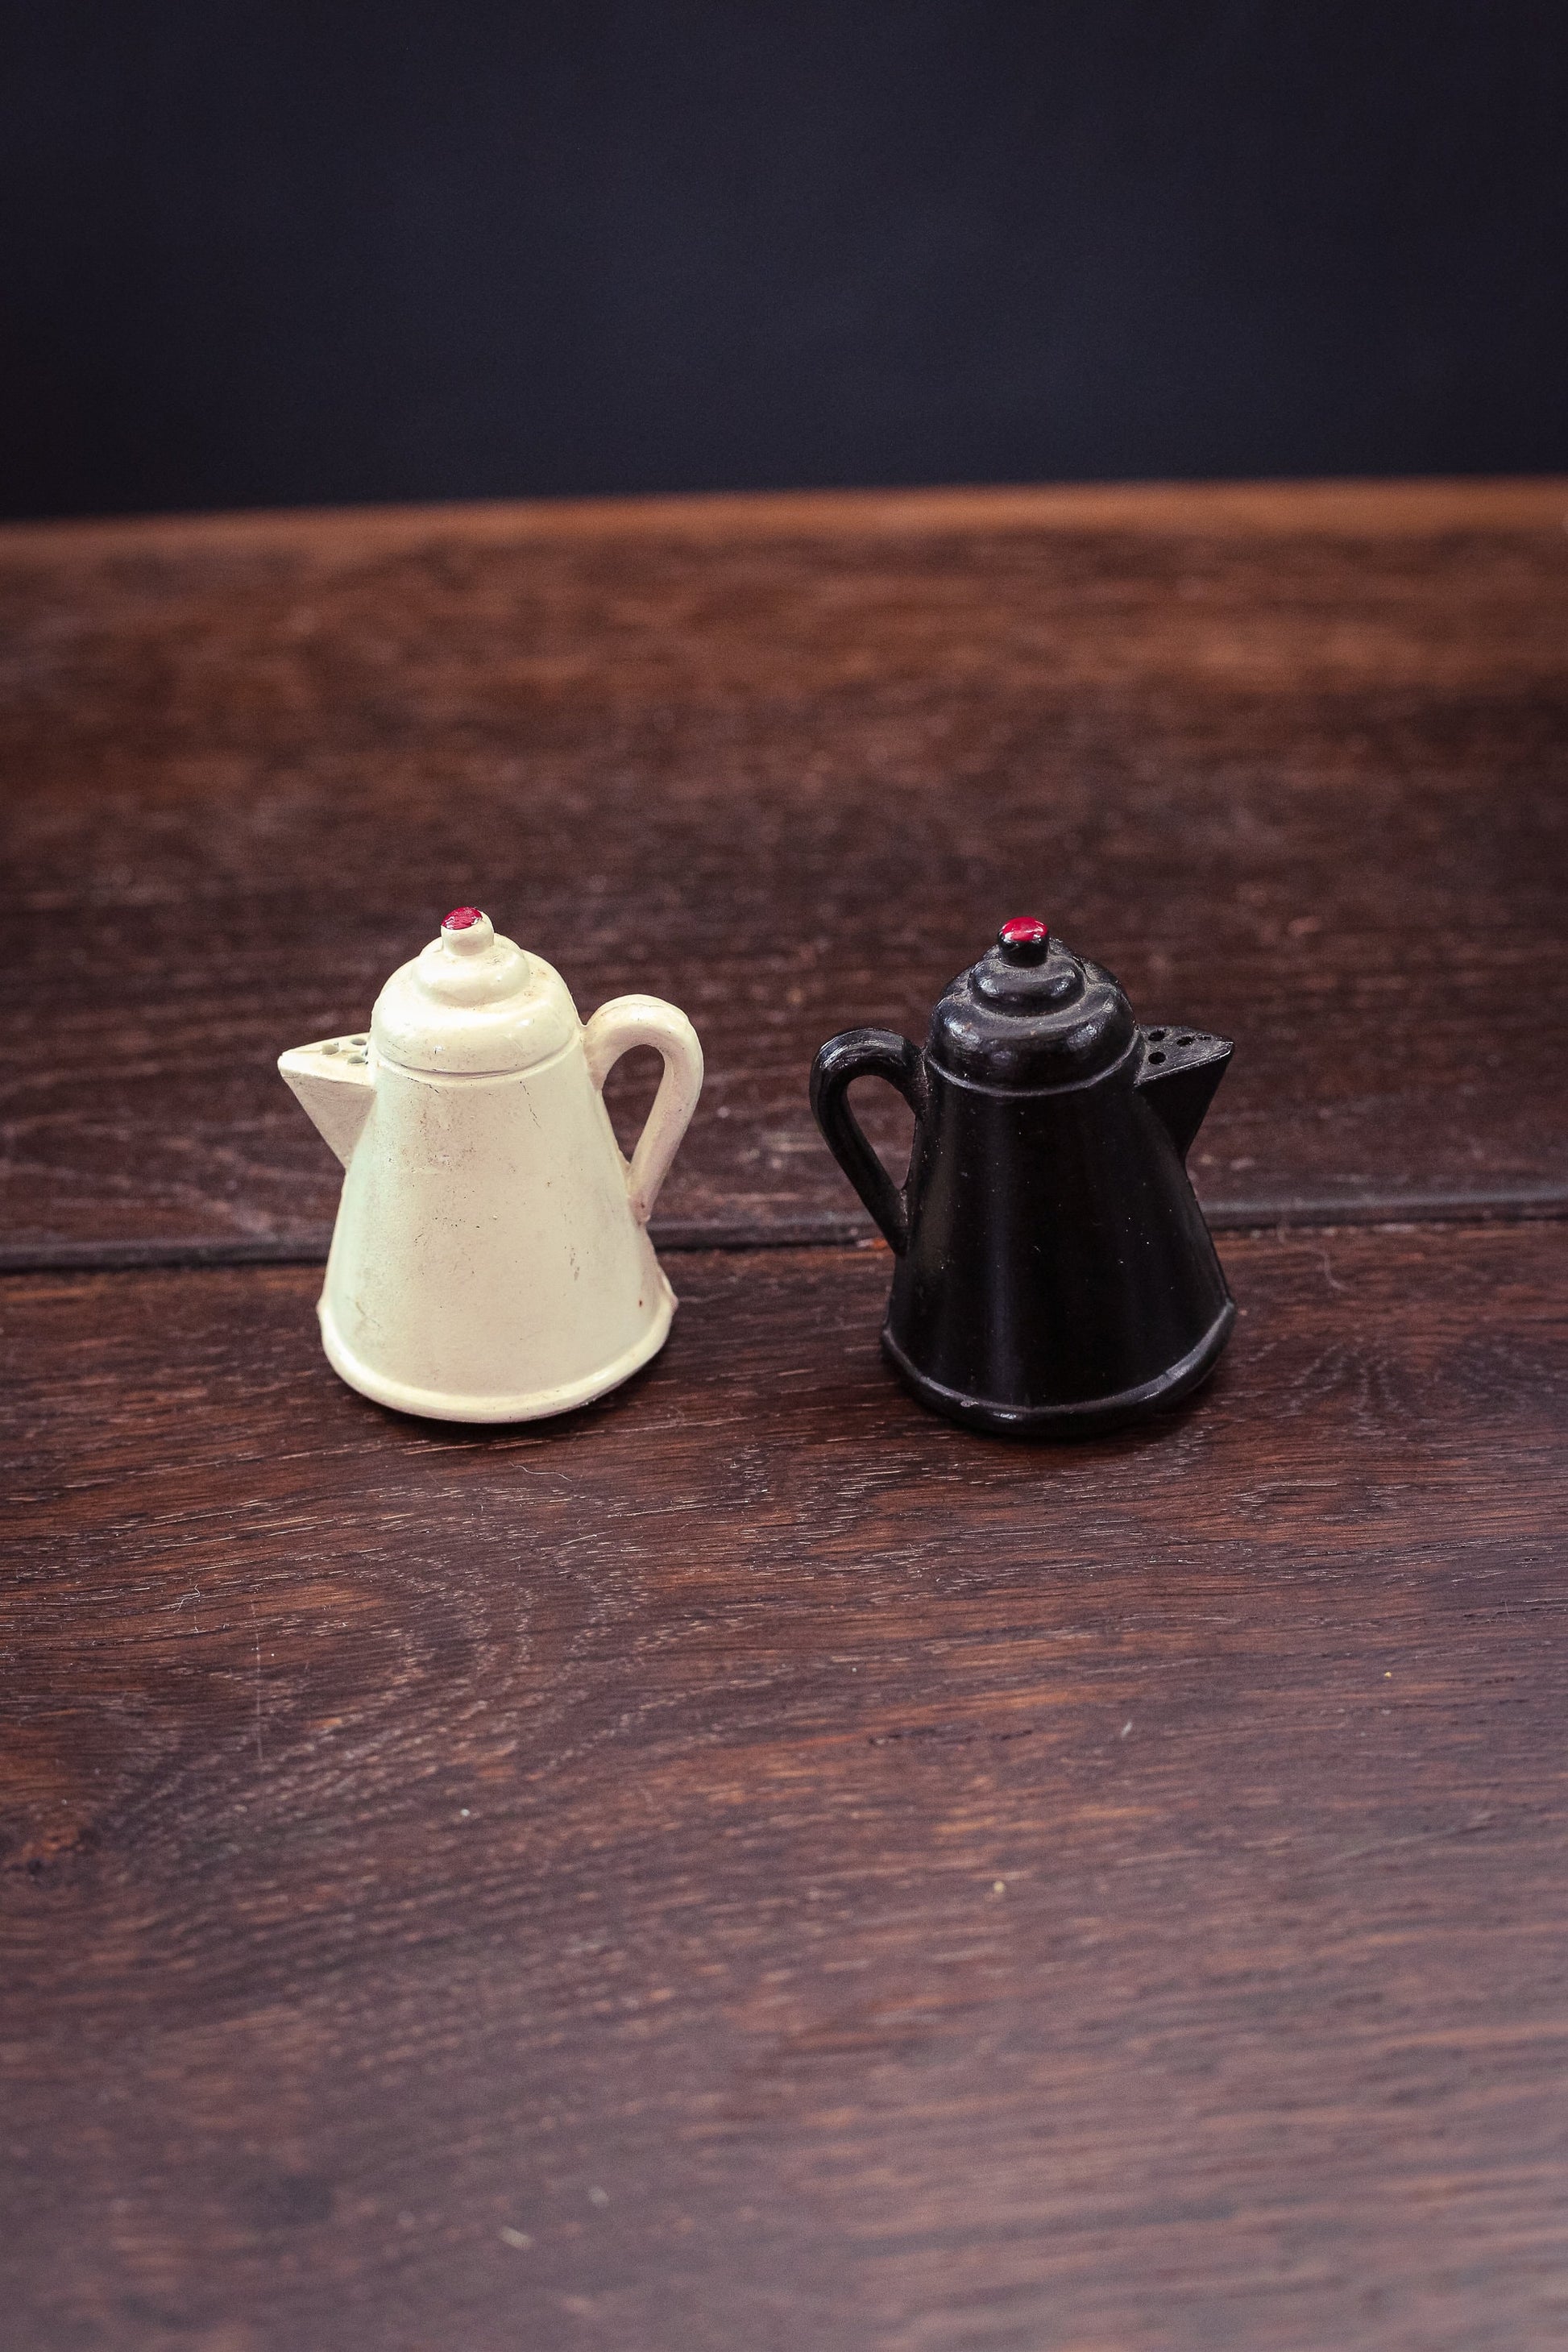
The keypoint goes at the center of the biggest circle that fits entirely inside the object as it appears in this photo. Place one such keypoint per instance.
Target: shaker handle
(867, 1053)
(614, 1029)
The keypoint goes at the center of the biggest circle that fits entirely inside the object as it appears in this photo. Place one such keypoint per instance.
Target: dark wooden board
(1290, 760)
(752, 1865)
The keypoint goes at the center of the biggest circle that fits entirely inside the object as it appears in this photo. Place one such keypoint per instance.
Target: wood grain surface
(1289, 758)
(752, 1865)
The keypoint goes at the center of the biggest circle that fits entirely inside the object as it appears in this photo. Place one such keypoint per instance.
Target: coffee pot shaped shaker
(1053, 1275)
(491, 1260)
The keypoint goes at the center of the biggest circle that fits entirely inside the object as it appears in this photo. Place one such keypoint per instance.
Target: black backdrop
(261, 252)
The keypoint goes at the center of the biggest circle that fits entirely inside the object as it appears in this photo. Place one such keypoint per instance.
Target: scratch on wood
(256, 1626)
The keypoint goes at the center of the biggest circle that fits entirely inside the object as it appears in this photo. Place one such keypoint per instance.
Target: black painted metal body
(1054, 1276)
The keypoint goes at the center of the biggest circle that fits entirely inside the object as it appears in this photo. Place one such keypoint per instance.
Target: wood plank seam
(812, 1233)
(850, 1233)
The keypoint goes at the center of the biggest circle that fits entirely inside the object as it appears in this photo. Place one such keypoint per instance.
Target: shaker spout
(336, 1084)
(1182, 1070)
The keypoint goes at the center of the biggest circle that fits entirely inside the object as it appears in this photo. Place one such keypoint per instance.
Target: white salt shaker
(491, 1260)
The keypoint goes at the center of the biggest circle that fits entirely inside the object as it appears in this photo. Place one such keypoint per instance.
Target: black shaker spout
(1181, 1069)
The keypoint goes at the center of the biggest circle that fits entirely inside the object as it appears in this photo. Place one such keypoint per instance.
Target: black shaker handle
(867, 1054)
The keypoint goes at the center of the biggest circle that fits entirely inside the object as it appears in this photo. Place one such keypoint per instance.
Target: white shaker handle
(614, 1029)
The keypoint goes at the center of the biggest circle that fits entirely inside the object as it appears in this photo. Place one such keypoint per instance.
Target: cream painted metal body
(491, 1260)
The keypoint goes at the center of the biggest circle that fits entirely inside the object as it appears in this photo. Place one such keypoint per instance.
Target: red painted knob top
(461, 918)
(1024, 940)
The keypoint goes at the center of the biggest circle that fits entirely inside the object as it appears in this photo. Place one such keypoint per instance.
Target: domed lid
(1030, 1013)
(471, 1002)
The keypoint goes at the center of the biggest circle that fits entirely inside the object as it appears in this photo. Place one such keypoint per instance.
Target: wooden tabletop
(750, 1865)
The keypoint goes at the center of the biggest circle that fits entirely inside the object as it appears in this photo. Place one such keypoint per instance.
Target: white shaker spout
(335, 1081)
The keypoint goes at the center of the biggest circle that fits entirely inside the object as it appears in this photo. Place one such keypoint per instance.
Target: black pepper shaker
(1053, 1274)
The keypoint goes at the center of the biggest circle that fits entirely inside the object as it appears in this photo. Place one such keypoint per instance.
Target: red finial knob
(461, 918)
(1024, 940)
